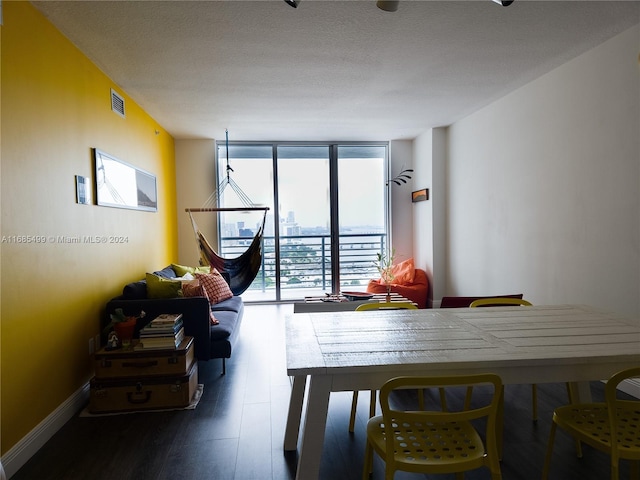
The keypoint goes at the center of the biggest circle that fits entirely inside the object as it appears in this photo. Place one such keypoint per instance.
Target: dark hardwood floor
(237, 430)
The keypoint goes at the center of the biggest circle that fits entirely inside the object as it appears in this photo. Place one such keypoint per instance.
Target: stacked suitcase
(138, 379)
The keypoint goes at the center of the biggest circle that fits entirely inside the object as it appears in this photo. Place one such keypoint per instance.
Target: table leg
(314, 428)
(500, 424)
(295, 413)
(580, 392)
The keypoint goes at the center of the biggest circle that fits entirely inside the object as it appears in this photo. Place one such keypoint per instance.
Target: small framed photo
(82, 190)
(420, 195)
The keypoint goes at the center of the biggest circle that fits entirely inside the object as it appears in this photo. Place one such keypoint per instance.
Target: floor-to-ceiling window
(362, 212)
(304, 208)
(330, 220)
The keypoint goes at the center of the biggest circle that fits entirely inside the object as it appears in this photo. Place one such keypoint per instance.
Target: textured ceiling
(328, 70)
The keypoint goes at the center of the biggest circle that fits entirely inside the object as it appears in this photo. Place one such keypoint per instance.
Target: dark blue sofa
(210, 341)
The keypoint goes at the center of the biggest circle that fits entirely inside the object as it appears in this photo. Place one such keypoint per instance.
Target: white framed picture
(121, 185)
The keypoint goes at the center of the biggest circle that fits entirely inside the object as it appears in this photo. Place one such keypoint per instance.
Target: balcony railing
(305, 261)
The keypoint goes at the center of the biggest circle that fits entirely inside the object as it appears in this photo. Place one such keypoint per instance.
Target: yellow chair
(386, 306)
(434, 441)
(505, 302)
(612, 427)
(372, 401)
(499, 302)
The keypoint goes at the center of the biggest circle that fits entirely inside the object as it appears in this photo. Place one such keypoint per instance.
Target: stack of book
(164, 331)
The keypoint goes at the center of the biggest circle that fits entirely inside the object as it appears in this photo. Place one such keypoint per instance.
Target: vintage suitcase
(135, 363)
(143, 393)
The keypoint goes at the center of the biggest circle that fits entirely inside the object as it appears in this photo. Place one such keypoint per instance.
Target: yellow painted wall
(55, 108)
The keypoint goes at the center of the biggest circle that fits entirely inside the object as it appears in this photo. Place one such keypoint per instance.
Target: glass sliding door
(250, 180)
(327, 218)
(362, 211)
(303, 197)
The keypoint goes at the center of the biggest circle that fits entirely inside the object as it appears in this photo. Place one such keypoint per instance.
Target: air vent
(117, 103)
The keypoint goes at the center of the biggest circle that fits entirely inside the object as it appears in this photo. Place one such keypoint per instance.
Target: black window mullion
(335, 220)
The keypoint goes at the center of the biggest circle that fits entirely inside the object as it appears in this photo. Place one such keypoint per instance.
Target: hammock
(242, 270)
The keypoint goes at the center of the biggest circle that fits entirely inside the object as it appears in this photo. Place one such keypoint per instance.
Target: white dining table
(344, 351)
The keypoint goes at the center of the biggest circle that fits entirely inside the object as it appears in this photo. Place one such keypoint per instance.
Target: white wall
(543, 186)
(195, 182)
(429, 150)
(401, 157)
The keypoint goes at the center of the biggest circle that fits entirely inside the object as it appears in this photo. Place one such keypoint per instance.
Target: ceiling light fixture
(293, 3)
(387, 5)
(504, 3)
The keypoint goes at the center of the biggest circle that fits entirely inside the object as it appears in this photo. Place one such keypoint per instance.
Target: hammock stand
(242, 270)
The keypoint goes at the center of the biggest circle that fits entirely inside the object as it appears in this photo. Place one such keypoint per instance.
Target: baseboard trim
(20, 453)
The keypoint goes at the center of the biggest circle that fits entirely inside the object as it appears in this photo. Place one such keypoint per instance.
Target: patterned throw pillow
(194, 289)
(215, 286)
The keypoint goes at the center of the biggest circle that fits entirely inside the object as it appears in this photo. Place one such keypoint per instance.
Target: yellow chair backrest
(612, 425)
(402, 438)
(499, 301)
(386, 306)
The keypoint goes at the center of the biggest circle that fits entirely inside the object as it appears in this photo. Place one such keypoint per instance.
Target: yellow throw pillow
(181, 270)
(159, 287)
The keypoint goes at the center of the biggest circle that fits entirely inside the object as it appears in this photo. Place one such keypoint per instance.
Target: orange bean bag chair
(410, 282)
